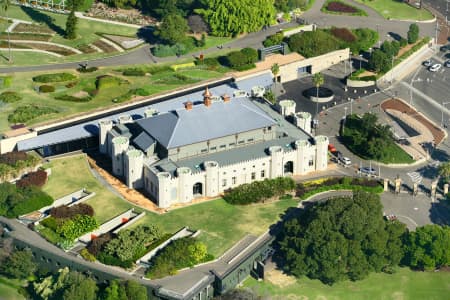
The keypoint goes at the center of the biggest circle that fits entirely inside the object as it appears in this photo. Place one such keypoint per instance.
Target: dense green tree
(232, 17)
(78, 286)
(19, 264)
(313, 43)
(387, 48)
(71, 26)
(289, 5)
(135, 291)
(340, 239)
(379, 61)
(129, 243)
(413, 33)
(274, 39)
(173, 29)
(428, 247)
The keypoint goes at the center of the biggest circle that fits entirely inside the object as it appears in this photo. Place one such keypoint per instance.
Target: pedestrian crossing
(415, 177)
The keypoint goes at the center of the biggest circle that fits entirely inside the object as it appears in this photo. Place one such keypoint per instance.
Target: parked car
(428, 63)
(368, 171)
(447, 63)
(435, 68)
(345, 161)
(331, 148)
(445, 48)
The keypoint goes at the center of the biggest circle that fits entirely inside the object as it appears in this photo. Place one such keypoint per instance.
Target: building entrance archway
(197, 189)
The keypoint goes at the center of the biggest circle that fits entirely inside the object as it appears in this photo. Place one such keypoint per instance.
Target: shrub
(75, 227)
(56, 77)
(71, 84)
(11, 158)
(16, 201)
(10, 97)
(73, 98)
(403, 42)
(96, 245)
(87, 256)
(250, 54)
(38, 178)
(181, 253)
(413, 33)
(65, 211)
(87, 70)
(133, 72)
(51, 223)
(46, 89)
(337, 6)
(5, 81)
(167, 50)
(273, 40)
(107, 81)
(26, 113)
(343, 34)
(259, 191)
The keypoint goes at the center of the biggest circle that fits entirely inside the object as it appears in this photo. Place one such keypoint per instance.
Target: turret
(321, 152)
(212, 178)
(133, 168)
(304, 152)
(104, 127)
(164, 187)
(276, 162)
(286, 107)
(184, 185)
(150, 112)
(303, 121)
(119, 146)
(124, 119)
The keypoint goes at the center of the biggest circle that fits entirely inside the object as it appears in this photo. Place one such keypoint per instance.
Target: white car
(435, 68)
(447, 63)
(345, 161)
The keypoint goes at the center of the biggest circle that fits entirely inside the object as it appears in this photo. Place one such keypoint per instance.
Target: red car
(331, 148)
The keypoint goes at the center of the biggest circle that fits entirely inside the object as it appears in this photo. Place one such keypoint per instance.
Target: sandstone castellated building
(205, 148)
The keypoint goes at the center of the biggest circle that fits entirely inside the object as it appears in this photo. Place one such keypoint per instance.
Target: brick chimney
(226, 98)
(207, 97)
(188, 105)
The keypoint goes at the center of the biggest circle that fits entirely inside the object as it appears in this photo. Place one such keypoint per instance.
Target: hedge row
(56, 77)
(26, 113)
(46, 88)
(73, 98)
(305, 190)
(12, 164)
(259, 191)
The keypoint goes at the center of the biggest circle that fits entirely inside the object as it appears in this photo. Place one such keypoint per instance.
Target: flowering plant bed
(339, 7)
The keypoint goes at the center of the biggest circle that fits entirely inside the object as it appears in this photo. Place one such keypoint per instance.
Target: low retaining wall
(108, 226)
(360, 83)
(184, 232)
(71, 199)
(129, 223)
(300, 28)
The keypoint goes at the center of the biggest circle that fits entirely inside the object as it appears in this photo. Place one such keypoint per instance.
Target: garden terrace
(396, 104)
(339, 7)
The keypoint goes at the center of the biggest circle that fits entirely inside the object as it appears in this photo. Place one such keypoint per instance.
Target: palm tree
(444, 170)
(318, 80)
(275, 71)
(4, 4)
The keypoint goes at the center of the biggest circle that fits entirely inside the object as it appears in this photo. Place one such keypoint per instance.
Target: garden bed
(46, 47)
(341, 8)
(26, 36)
(32, 28)
(308, 189)
(105, 47)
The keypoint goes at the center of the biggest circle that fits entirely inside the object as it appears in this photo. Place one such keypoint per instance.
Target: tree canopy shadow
(440, 155)
(147, 33)
(39, 17)
(440, 212)
(394, 35)
(428, 171)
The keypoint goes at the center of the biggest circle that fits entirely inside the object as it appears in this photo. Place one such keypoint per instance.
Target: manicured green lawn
(8, 289)
(221, 224)
(23, 84)
(392, 9)
(71, 174)
(404, 284)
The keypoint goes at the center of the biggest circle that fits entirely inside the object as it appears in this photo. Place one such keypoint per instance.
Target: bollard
(445, 189)
(386, 184)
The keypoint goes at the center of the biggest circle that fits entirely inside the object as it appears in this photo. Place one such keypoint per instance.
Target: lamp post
(442, 112)
(360, 60)
(392, 70)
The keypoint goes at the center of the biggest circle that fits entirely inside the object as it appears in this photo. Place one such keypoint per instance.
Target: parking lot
(435, 85)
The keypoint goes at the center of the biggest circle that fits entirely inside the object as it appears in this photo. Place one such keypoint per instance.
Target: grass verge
(404, 284)
(398, 10)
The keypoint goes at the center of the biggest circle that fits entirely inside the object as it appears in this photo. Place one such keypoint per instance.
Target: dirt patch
(278, 278)
(398, 296)
(81, 94)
